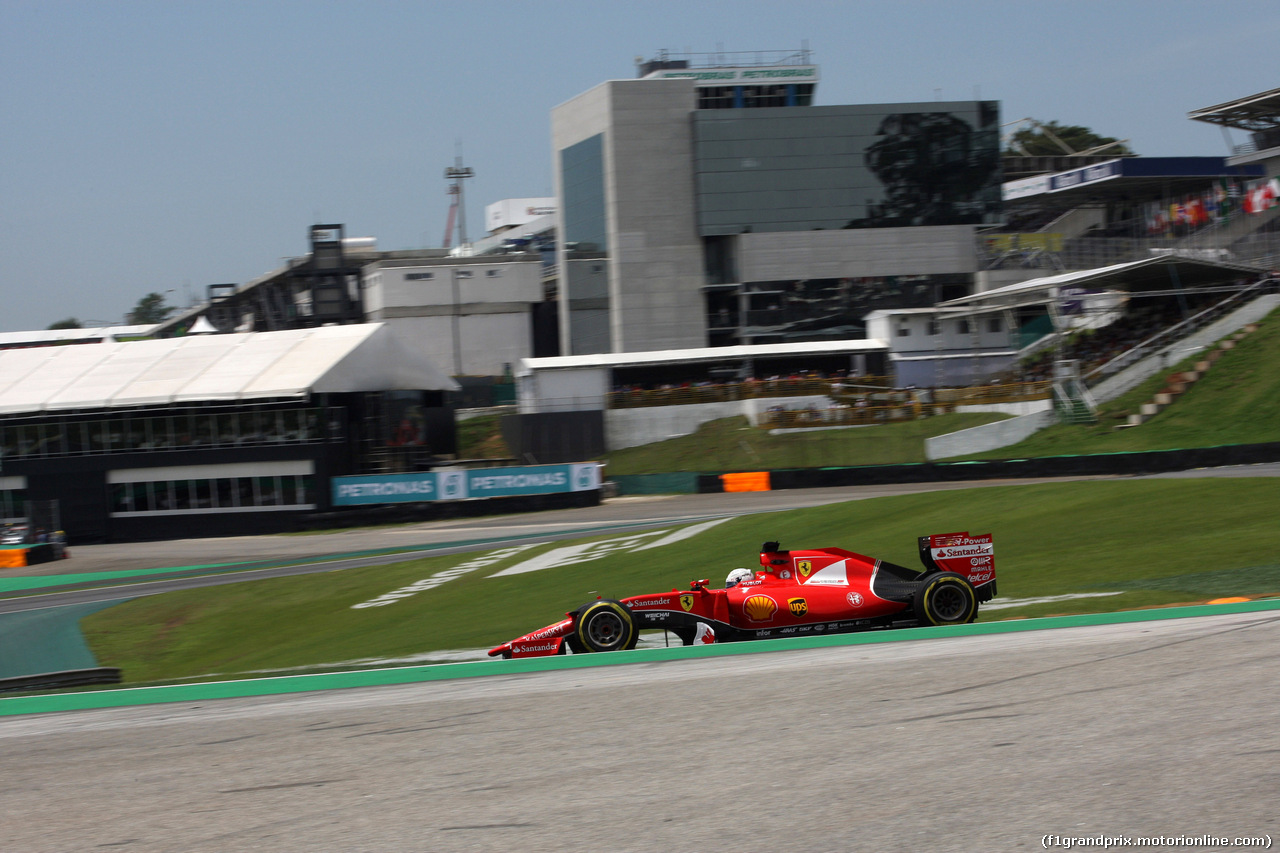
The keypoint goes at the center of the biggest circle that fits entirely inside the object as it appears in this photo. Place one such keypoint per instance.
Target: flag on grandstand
(1196, 213)
(1261, 196)
(1157, 220)
(1222, 201)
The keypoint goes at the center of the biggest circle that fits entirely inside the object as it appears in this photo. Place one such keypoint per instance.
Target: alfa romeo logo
(854, 598)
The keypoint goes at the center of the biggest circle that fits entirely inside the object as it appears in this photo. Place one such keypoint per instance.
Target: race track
(962, 743)
(980, 743)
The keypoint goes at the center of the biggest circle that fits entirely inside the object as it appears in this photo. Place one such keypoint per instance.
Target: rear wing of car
(969, 555)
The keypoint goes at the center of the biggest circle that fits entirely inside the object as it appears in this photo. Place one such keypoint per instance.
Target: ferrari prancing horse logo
(799, 607)
(804, 567)
(686, 601)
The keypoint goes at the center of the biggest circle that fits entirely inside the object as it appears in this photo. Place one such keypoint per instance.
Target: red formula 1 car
(798, 593)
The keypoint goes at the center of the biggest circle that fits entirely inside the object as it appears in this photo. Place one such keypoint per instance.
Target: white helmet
(738, 576)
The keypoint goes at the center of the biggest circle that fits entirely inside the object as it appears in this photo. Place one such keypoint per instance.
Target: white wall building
(513, 212)
(931, 347)
(471, 316)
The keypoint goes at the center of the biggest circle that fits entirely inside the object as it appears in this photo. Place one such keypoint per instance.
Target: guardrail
(730, 391)
(1018, 392)
(874, 407)
(57, 680)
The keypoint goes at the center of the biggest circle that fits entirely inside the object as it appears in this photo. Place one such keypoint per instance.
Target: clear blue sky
(165, 146)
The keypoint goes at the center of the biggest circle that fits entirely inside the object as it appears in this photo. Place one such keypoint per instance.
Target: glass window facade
(816, 309)
(861, 166)
(582, 177)
(768, 95)
(584, 275)
(221, 494)
(135, 432)
(13, 505)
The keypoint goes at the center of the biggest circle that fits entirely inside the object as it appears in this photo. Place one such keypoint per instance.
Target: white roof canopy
(1165, 271)
(247, 366)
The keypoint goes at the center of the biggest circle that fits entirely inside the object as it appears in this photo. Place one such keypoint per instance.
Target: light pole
(457, 321)
(458, 173)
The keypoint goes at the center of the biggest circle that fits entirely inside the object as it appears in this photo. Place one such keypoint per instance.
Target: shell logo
(759, 608)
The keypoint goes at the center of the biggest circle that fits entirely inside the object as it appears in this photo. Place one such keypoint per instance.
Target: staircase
(1071, 398)
(1178, 383)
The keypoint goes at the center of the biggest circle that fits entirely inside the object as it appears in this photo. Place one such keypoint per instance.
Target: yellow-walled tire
(605, 626)
(946, 599)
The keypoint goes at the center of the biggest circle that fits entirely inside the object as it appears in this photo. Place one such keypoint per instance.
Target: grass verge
(730, 444)
(1155, 542)
(1236, 402)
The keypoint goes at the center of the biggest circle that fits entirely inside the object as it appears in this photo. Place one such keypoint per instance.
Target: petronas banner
(464, 484)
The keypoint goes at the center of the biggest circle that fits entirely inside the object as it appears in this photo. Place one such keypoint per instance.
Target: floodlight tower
(457, 173)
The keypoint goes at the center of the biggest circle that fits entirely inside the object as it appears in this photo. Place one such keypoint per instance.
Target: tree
(150, 309)
(1050, 139)
(69, 323)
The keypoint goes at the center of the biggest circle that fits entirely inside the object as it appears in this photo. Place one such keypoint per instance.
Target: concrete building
(711, 204)
(473, 311)
(471, 316)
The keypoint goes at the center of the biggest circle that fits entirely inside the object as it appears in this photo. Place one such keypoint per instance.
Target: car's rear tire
(605, 626)
(946, 599)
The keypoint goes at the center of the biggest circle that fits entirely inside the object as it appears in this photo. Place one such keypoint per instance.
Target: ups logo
(804, 567)
(686, 601)
(799, 607)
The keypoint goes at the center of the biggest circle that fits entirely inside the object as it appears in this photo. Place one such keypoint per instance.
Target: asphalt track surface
(976, 743)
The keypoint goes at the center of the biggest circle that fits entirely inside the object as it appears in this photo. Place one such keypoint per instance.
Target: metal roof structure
(205, 368)
(93, 334)
(1164, 273)
(701, 354)
(1125, 178)
(1253, 112)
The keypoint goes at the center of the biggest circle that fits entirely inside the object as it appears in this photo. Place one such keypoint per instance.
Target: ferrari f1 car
(796, 593)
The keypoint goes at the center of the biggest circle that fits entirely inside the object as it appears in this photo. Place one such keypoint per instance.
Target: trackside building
(213, 434)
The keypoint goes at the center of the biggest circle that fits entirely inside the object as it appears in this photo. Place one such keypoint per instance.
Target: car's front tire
(605, 626)
(946, 599)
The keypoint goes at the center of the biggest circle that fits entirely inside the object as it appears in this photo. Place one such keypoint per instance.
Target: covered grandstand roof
(1166, 272)
(247, 366)
(701, 354)
(1127, 178)
(1253, 112)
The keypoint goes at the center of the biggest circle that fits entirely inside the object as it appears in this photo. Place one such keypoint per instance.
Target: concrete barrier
(991, 436)
(645, 425)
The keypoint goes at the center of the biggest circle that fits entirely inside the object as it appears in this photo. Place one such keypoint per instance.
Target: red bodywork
(796, 593)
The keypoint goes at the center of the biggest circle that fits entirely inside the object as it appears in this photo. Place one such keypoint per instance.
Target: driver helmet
(738, 576)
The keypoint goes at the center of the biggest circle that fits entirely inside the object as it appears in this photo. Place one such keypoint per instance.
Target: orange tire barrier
(13, 558)
(748, 481)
